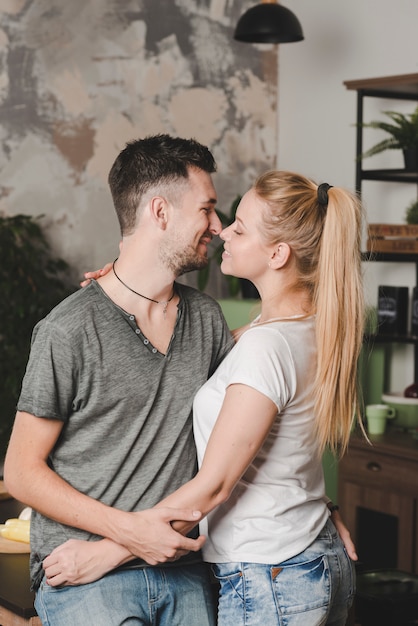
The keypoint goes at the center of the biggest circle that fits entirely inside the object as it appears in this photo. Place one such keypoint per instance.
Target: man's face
(194, 222)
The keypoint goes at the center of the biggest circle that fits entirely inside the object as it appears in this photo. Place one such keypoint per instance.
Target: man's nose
(215, 225)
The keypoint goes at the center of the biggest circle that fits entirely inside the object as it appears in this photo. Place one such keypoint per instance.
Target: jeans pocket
(230, 578)
(302, 586)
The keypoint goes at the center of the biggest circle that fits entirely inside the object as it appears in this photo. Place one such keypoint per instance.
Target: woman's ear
(280, 256)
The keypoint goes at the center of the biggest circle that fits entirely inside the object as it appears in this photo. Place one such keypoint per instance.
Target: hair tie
(323, 193)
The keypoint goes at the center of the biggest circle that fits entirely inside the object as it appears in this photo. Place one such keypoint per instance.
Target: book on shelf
(393, 230)
(399, 238)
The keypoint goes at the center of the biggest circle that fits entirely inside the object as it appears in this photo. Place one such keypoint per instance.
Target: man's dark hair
(155, 161)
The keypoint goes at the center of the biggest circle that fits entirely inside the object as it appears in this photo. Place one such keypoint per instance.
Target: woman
(285, 391)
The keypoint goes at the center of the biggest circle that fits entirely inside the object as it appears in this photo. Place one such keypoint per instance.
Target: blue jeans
(154, 596)
(313, 588)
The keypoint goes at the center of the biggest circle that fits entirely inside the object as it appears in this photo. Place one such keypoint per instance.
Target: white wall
(349, 41)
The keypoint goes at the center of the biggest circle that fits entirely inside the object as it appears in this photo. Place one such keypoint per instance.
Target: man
(103, 430)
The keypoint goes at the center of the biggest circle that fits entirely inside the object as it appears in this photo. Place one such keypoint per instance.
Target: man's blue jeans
(314, 588)
(154, 596)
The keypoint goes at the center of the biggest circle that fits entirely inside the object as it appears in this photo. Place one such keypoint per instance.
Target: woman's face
(246, 255)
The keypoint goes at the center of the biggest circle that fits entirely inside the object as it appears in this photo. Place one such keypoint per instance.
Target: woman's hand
(96, 274)
(77, 562)
(345, 535)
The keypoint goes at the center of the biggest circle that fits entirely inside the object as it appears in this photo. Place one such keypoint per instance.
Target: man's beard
(184, 261)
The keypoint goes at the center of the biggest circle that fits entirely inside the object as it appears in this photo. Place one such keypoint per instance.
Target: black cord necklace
(164, 302)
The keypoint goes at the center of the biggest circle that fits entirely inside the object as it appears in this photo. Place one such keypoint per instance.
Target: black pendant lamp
(268, 22)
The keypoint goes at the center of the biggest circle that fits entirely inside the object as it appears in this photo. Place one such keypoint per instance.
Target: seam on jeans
(275, 571)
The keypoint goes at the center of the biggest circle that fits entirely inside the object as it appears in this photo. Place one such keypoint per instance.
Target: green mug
(377, 414)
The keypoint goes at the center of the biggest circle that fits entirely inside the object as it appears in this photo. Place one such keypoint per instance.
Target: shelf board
(395, 257)
(381, 338)
(402, 86)
(390, 176)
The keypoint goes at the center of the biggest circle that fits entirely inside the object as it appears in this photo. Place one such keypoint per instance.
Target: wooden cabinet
(378, 496)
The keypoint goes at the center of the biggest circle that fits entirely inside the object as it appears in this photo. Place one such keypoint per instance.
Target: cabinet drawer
(379, 470)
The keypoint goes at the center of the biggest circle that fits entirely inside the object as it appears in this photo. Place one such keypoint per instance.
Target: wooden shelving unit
(402, 87)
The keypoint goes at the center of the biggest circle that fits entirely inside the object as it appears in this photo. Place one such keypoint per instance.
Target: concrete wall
(80, 78)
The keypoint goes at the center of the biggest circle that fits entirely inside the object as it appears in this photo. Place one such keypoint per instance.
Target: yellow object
(16, 530)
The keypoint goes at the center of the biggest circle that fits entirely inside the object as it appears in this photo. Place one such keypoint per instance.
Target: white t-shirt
(278, 507)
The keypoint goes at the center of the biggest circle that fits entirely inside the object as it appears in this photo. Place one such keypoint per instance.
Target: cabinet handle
(373, 466)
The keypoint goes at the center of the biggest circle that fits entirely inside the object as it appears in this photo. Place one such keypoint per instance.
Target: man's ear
(280, 256)
(159, 210)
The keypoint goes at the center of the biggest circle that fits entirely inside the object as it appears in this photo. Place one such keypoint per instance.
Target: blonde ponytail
(339, 305)
(325, 242)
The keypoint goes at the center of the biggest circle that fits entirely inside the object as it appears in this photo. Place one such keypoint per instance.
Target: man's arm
(233, 444)
(147, 534)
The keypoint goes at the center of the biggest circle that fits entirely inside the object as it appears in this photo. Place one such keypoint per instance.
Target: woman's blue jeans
(152, 596)
(313, 588)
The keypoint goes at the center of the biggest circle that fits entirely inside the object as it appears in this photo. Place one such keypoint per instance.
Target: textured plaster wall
(80, 78)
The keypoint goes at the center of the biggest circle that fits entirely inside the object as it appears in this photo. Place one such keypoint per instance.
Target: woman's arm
(245, 420)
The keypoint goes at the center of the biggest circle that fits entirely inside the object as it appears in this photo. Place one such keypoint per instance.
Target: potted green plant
(403, 135)
(235, 285)
(32, 282)
(411, 216)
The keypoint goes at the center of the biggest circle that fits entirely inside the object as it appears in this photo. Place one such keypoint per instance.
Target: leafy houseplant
(235, 285)
(403, 131)
(412, 213)
(32, 282)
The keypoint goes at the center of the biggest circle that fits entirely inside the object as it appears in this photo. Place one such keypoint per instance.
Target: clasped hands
(147, 534)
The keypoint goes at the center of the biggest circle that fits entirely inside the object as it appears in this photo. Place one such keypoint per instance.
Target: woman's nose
(224, 233)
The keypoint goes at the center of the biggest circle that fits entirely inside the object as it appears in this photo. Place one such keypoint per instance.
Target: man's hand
(77, 562)
(149, 534)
